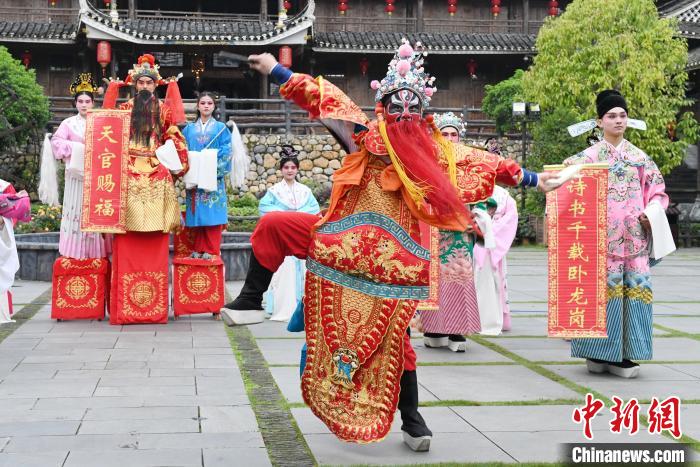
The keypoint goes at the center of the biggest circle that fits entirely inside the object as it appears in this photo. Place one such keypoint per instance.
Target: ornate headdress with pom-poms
(83, 83)
(450, 119)
(145, 66)
(406, 72)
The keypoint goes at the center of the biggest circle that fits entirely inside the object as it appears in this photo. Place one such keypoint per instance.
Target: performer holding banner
(637, 230)
(80, 273)
(206, 212)
(156, 152)
(366, 267)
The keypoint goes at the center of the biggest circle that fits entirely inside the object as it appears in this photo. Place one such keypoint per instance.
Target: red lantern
(472, 67)
(52, 2)
(364, 66)
(285, 56)
(108, 3)
(553, 8)
(389, 8)
(495, 7)
(26, 59)
(104, 55)
(287, 5)
(342, 6)
(452, 7)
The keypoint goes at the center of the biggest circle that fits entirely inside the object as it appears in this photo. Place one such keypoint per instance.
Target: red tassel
(111, 95)
(174, 101)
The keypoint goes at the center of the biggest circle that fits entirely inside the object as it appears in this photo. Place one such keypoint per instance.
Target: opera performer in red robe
(139, 286)
(366, 267)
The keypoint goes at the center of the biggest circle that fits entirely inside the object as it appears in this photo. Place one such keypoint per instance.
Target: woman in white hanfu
(287, 284)
(490, 265)
(68, 145)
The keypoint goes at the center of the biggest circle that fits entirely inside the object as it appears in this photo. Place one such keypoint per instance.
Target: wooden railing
(39, 15)
(205, 17)
(364, 24)
(430, 25)
(278, 115)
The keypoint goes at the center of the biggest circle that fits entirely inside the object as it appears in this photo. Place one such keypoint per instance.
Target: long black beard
(145, 118)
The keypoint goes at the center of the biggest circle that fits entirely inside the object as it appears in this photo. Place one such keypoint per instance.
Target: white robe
(9, 265)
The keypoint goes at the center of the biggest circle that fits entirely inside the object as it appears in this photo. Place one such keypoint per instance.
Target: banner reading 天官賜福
(577, 236)
(106, 158)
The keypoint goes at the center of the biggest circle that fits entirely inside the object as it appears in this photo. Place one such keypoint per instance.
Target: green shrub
(44, 219)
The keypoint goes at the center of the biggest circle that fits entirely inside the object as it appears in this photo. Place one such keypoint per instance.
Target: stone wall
(319, 157)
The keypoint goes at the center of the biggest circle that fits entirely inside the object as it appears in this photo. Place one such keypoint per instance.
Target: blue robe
(210, 208)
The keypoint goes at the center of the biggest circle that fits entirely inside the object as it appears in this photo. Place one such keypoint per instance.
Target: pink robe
(72, 242)
(505, 225)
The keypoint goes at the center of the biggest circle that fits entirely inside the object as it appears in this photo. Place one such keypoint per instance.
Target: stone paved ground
(87, 393)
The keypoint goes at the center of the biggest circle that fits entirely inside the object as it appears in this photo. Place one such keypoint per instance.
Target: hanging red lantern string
(553, 8)
(342, 6)
(472, 67)
(287, 5)
(285, 56)
(389, 8)
(495, 7)
(452, 7)
(104, 55)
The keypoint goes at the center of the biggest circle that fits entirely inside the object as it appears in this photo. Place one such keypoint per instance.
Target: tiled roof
(693, 59)
(380, 42)
(167, 30)
(669, 7)
(31, 32)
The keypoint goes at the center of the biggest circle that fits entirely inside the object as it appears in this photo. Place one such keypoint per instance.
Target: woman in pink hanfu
(490, 264)
(67, 143)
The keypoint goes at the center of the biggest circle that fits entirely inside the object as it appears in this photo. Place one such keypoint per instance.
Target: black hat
(609, 99)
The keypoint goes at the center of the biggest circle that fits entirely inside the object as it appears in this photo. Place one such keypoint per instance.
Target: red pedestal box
(198, 285)
(79, 288)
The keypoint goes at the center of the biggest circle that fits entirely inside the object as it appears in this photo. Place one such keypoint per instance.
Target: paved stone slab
(152, 391)
(140, 413)
(490, 383)
(213, 386)
(48, 388)
(202, 440)
(438, 419)
(268, 329)
(26, 291)
(121, 381)
(163, 425)
(137, 458)
(241, 456)
(691, 325)
(35, 459)
(18, 414)
(63, 427)
(536, 349)
(445, 447)
(653, 381)
(475, 353)
(227, 419)
(281, 351)
(691, 369)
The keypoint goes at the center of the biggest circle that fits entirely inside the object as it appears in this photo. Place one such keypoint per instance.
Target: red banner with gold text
(577, 231)
(106, 158)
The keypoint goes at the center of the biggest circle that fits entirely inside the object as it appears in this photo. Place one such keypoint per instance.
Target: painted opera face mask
(404, 104)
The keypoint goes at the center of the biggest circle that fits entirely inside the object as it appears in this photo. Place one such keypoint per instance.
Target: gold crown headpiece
(83, 83)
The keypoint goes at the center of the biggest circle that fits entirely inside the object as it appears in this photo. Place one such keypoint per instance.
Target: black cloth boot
(257, 280)
(415, 432)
